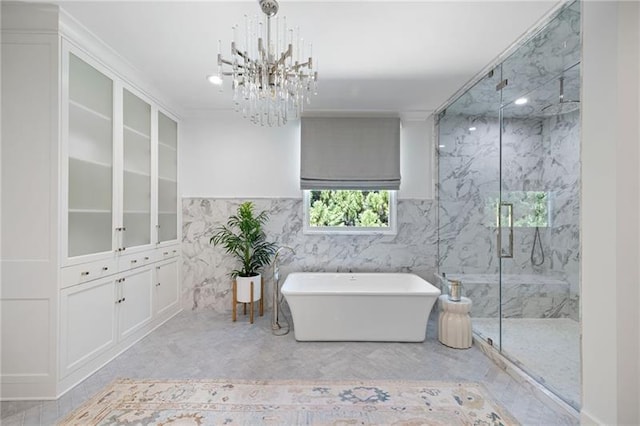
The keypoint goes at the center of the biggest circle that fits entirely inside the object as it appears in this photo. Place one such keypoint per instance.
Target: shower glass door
(468, 189)
(539, 224)
(539, 206)
(508, 203)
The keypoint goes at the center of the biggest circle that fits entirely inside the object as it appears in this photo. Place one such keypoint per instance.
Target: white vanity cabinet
(90, 207)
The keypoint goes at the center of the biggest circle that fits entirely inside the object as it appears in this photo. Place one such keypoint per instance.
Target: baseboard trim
(588, 419)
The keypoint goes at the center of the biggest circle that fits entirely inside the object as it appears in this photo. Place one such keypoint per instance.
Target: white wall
(610, 213)
(416, 157)
(214, 144)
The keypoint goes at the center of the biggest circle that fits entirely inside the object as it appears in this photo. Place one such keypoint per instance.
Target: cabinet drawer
(167, 252)
(77, 274)
(135, 260)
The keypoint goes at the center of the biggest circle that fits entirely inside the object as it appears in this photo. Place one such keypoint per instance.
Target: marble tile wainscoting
(205, 279)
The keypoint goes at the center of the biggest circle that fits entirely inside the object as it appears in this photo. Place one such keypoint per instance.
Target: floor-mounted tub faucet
(275, 320)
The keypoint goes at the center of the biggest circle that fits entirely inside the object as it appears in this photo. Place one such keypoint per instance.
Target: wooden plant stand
(244, 304)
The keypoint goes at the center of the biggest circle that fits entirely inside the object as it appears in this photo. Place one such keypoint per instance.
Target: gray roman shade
(350, 153)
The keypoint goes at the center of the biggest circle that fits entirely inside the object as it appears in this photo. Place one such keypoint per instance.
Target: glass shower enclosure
(508, 203)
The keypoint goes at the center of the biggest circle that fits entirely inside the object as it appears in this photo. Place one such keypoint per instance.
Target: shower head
(562, 107)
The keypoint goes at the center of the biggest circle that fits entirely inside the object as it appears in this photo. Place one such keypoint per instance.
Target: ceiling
(387, 56)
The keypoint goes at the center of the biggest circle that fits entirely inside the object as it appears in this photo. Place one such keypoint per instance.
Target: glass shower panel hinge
(502, 85)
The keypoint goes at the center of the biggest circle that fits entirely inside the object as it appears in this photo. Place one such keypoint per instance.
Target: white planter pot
(244, 288)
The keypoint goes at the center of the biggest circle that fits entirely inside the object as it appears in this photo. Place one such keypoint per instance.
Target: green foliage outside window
(530, 208)
(349, 208)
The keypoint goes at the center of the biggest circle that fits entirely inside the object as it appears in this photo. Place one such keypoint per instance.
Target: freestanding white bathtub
(387, 307)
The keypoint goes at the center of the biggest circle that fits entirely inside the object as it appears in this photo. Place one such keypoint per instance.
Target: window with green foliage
(530, 208)
(346, 211)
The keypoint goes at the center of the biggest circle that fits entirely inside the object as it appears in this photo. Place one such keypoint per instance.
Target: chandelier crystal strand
(272, 77)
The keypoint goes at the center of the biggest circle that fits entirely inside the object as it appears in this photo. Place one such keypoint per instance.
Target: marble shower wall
(206, 285)
(538, 154)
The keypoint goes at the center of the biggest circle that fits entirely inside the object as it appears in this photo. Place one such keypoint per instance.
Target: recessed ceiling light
(214, 79)
(472, 129)
(521, 101)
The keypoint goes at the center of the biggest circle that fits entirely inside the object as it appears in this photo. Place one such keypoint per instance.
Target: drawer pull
(134, 261)
(158, 285)
(165, 253)
(104, 268)
(146, 258)
(84, 274)
(124, 298)
(175, 251)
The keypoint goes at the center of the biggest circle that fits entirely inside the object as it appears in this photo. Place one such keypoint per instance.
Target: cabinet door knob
(84, 274)
(165, 253)
(157, 285)
(124, 298)
(134, 261)
(104, 268)
(175, 251)
(146, 258)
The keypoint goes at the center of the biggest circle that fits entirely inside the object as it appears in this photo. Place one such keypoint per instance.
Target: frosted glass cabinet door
(167, 178)
(90, 159)
(137, 171)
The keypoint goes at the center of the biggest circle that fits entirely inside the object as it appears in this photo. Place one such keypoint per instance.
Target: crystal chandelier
(272, 72)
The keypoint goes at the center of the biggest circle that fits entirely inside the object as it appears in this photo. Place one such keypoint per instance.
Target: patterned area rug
(218, 402)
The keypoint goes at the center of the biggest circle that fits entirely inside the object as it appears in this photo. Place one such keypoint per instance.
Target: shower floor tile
(546, 348)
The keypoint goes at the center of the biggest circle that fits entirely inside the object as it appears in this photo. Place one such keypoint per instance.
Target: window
(530, 208)
(350, 211)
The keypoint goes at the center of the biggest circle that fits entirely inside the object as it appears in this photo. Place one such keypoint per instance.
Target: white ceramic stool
(454, 323)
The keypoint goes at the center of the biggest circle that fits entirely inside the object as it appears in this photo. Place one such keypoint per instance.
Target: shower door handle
(507, 254)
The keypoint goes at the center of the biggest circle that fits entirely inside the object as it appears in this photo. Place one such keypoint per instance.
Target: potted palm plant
(244, 238)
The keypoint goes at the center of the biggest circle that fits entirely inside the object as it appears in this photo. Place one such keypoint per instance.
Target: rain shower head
(562, 107)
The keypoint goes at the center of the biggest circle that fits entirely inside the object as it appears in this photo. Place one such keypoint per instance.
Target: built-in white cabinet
(122, 156)
(90, 209)
(90, 159)
(167, 178)
(136, 173)
(87, 322)
(134, 301)
(166, 294)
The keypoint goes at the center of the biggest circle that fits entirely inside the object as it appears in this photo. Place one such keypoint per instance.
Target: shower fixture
(562, 107)
(276, 328)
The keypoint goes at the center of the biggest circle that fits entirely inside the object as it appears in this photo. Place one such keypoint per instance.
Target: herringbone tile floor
(205, 344)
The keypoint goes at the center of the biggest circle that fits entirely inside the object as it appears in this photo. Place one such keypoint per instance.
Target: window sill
(326, 230)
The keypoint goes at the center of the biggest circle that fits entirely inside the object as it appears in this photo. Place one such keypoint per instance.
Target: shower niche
(508, 202)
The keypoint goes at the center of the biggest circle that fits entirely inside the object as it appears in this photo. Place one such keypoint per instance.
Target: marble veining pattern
(538, 154)
(205, 283)
(533, 69)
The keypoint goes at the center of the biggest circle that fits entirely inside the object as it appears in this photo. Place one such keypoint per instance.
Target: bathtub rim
(430, 290)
